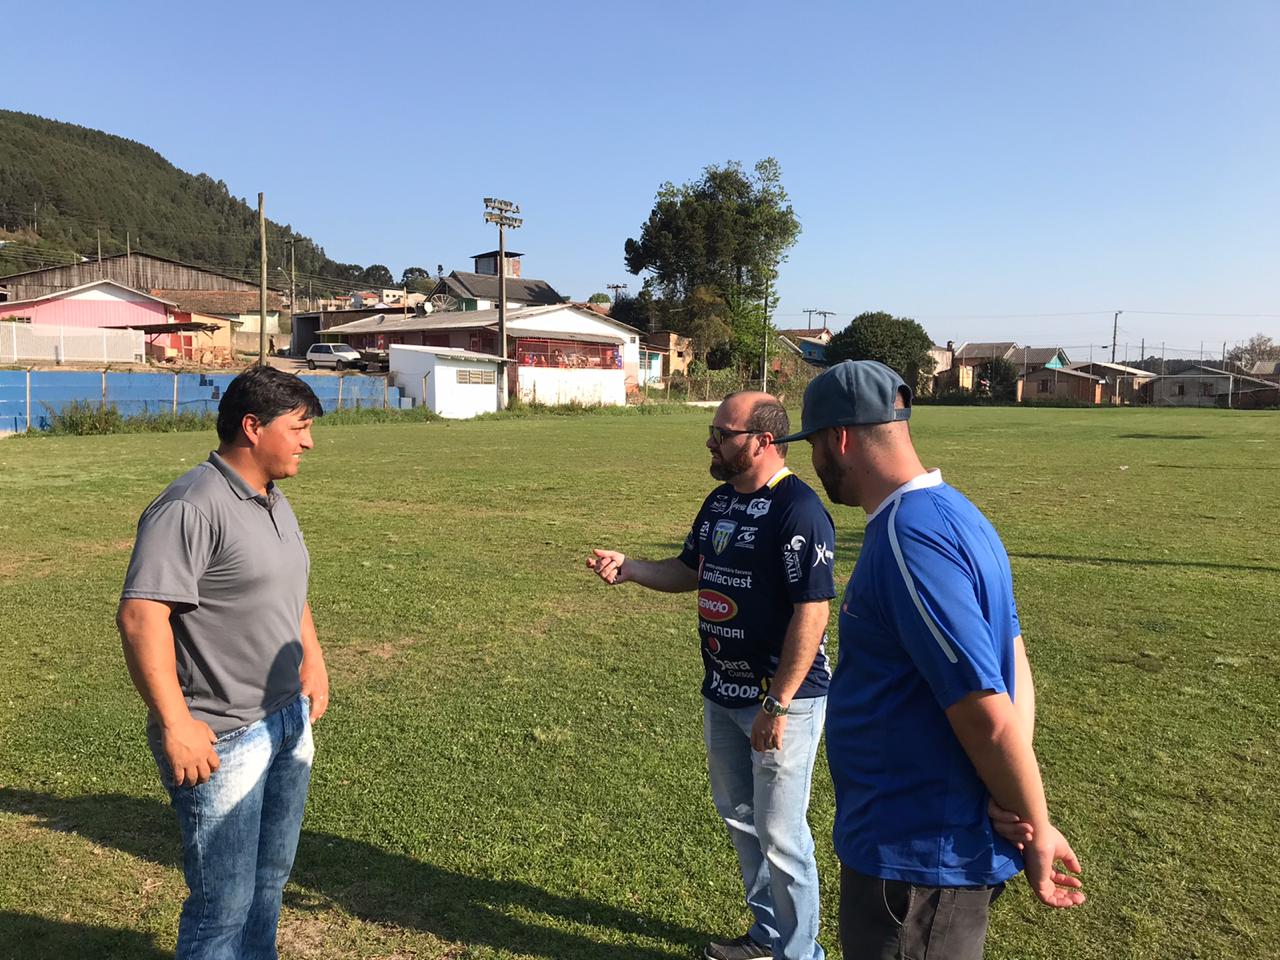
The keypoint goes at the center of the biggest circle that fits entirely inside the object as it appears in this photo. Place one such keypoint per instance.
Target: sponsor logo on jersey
(715, 606)
(721, 503)
(821, 555)
(722, 533)
(723, 576)
(746, 538)
(759, 507)
(704, 529)
(791, 564)
(797, 543)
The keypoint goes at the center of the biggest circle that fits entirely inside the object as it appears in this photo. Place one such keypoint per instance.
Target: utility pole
(617, 289)
(99, 252)
(1115, 329)
(808, 318)
(293, 283)
(1143, 352)
(128, 257)
(262, 283)
(764, 350)
(1162, 358)
(824, 314)
(502, 212)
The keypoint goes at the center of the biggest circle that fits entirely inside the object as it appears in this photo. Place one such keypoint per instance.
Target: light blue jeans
(763, 799)
(239, 835)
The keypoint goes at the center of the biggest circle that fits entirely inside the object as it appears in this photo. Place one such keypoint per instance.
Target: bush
(81, 418)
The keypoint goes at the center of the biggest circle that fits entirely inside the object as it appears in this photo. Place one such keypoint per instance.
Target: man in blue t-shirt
(931, 707)
(760, 554)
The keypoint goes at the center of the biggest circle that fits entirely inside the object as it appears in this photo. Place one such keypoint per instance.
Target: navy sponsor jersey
(756, 555)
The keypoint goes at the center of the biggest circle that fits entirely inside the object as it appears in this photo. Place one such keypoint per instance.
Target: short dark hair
(770, 416)
(267, 393)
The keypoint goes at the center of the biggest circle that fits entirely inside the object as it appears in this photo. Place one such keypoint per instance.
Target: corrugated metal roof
(453, 353)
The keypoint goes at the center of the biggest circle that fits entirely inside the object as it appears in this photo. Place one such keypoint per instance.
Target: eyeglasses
(718, 434)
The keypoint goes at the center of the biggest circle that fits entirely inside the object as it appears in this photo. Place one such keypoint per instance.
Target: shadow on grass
(1164, 436)
(1140, 562)
(38, 938)
(367, 882)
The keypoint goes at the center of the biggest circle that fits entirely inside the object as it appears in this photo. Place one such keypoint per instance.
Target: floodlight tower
(502, 212)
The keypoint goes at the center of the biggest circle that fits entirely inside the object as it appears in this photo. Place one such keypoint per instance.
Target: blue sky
(998, 170)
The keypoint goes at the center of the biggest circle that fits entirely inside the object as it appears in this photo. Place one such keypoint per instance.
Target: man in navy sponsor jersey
(759, 554)
(932, 706)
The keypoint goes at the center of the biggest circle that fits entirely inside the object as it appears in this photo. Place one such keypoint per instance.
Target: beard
(729, 469)
(832, 474)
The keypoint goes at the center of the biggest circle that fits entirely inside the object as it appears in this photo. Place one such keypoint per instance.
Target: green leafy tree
(1257, 349)
(417, 280)
(897, 342)
(997, 379)
(377, 275)
(728, 230)
(599, 298)
(711, 249)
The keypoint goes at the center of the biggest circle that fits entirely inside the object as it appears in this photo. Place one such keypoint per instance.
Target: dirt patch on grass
(330, 934)
(69, 556)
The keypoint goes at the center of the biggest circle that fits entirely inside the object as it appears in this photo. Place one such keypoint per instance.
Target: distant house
(1201, 386)
(1121, 385)
(99, 303)
(1030, 359)
(1266, 370)
(965, 360)
(811, 342)
(561, 352)
(676, 350)
(1058, 383)
(478, 290)
(190, 288)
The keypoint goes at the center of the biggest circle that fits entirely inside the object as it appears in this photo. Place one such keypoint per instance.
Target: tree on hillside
(1258, 349)
(898, 342)
(377, 275)
(710, 246)
(417, 280)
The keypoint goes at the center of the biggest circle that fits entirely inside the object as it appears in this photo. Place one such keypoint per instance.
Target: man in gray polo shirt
(220, 643)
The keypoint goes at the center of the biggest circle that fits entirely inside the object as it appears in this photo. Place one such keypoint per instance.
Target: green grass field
(513, 762)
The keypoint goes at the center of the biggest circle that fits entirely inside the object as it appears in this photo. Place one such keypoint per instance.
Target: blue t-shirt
(756, 555)
(928, 618)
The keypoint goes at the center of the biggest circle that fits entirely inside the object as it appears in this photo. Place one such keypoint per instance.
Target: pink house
(103, 303)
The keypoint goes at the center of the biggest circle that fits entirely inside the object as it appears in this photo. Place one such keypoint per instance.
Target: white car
(336, 355)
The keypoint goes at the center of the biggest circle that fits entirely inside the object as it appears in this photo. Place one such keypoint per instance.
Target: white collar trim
(932, 478)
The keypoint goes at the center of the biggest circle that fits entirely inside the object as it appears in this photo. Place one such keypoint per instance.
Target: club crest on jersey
(721, 534)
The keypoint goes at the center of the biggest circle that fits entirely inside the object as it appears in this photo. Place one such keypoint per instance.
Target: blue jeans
(763, 799)
(239, 835)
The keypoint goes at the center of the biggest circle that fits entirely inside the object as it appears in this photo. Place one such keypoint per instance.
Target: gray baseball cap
(852, 393)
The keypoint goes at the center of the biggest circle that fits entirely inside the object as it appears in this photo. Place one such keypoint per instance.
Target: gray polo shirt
(232, 563)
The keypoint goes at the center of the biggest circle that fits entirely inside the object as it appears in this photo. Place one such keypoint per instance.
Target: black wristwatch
(773, 708)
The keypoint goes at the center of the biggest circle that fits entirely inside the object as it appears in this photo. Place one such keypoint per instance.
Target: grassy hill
(62, 185)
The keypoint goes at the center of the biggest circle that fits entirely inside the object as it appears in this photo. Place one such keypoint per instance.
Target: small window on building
(1182, 390)
(1206, 389)
(1044, 386)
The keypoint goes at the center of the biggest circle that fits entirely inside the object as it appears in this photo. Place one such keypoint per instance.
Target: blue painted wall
(137, 393)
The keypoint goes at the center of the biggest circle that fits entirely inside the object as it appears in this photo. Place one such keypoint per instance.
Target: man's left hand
(315, 686)
(766, 732)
